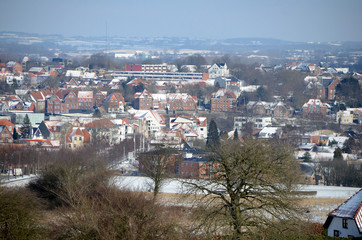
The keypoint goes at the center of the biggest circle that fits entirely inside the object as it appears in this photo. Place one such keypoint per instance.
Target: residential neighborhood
(180, 138)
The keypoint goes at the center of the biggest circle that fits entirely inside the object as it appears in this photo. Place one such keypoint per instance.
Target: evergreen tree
(307, 157)
(236, 135)
(15, 135)
(213, 140)
(337, 154)
(25, 129)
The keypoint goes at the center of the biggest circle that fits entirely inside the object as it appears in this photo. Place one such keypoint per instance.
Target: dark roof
(327, 81)
(350, 207)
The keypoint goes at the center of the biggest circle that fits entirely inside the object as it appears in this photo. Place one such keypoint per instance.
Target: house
(5, 135)
(328, 89)
(77, 137)
(39, 99)
(181, 101)
(115, 103)
(14, 67)
(53, 130)
(154, 120)
(104, 130)
(37, 71)
(172, 101)
(69, 102)
(85, 100)
(275, 109)
(258, 122)
(314, 107)
(197, 124)
(53, 104)
(99, 98)
(143, 100)
(270, 132)
(344, 117)
(125, 129)
(223, 101)
(346, 220)
(218, 70)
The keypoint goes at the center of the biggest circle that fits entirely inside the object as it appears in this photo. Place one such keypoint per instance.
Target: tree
(158, 165)
(25, 129)
(15, 134)
(251, 187)
(337, 154)
(236, 135)
(212, 135)
(307, 157)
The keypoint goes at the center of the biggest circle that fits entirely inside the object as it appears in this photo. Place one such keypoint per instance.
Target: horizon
(309, 21)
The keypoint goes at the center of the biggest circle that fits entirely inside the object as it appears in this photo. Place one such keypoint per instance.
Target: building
(344, 117)
(258, 122)
(314, 107)
(143, 100)
(197, 124)
(154, 120)
(146, 67)
(85, 100)
(172, 101)
(328, 88)
(115, 103)
(223, 101)
(346, 220)
(77, 137)
(275, 109)
(218, 70)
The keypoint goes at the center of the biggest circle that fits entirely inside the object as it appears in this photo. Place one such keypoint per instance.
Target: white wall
(336, 224)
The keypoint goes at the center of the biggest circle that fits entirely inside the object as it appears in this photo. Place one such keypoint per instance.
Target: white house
(197, 124)
(218, 70)
(155, 121)
(346, 220)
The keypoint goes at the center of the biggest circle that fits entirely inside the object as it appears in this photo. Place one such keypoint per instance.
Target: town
(230, 140)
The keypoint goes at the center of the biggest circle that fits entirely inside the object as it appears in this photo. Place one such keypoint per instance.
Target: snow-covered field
(174, 186)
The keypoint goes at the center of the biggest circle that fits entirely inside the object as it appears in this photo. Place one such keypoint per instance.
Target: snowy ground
(20, 181)
(175, 186)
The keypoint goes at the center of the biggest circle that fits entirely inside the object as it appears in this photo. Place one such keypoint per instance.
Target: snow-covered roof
(352, 208)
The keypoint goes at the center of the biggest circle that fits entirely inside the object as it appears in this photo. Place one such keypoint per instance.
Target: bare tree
(252, 187)
(158, 165)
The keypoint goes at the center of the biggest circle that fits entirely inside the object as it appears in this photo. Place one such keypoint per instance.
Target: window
(344, 223)
(336, 233)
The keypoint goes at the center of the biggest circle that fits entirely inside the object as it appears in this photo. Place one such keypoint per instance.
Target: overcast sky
(303, 20)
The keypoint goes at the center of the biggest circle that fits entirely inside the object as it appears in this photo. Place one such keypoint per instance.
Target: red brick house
(115, 103)
(198, 168)
(14, 67)
(328, 90)
(223, 101)
(85, 100)
(69, 101)
(53, 104)
(99, 98)
(6, 131)
(143, 100)
(314, 107)
(181, 101)
(5, 135)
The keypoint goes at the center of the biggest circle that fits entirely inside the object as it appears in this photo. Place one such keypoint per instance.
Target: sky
(293, 20)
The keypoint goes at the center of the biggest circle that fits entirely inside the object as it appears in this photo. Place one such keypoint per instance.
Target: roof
(79, 132)
(85, 94)
(101, 123)
(5, 122)
(352, 209)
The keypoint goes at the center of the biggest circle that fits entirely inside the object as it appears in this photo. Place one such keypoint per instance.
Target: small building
(346, 220)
